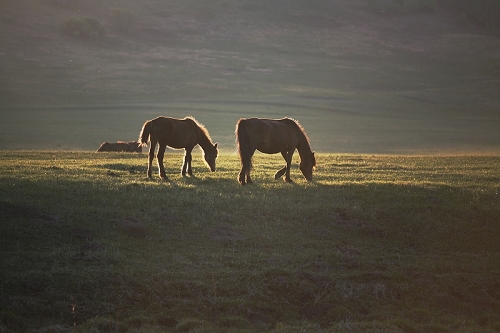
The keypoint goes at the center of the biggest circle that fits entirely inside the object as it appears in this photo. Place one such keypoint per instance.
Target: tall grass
(375, 243)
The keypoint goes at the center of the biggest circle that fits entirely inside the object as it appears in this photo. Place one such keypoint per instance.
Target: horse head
(210, 156)
(307, 165)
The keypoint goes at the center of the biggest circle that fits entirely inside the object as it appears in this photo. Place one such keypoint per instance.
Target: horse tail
(244, 145)
(145, 133)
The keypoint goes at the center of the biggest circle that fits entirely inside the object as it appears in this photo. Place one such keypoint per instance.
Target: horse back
(176, 133)
(113, 147)
(271, 135)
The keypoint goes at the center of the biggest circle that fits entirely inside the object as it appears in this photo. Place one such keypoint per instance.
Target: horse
(134, 147)
(272, 136)
(120, 146)
(177, 133)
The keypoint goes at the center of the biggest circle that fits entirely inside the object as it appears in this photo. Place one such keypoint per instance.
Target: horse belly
(267, 148)
(177, 144)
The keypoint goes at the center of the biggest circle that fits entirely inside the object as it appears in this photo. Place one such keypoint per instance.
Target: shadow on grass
(282, 253)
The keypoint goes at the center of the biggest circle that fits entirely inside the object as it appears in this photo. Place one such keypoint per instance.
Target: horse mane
(303, 133)
(203, 130)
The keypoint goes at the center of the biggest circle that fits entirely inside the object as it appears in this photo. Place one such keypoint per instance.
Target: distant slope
(191, 49)
(361, 80)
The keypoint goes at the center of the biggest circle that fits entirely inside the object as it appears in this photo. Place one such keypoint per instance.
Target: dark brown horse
(131, 146)
(177, 133)
(134, 147)
(273, 136)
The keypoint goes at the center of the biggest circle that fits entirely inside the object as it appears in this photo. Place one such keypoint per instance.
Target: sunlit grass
(374, 243)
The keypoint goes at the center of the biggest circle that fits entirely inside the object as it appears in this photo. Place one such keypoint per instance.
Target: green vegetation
(88, 28)
(375, 243)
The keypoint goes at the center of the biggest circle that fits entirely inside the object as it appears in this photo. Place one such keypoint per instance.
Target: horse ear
(215, 145)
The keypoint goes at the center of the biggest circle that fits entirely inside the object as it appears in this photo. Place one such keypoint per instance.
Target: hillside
(340, 62)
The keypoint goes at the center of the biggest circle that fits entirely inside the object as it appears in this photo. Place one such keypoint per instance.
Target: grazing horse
(134, 147)
(177, 133)
(273, 136)
(131, 146)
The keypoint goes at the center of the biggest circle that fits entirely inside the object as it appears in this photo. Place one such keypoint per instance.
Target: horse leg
(189, 169)
(288, 164)
(186, 166)
(241, 177)
(280, 173)
(244, 175)
(286, 169)
(151, 156)
(249, 180)
(159, 157)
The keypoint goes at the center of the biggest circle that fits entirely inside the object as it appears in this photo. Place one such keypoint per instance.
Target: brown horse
(134, 147)
(131, 146)
(177, 133)
(273, 136)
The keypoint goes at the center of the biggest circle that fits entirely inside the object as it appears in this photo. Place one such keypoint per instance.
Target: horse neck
(304, 148)
(204, 141)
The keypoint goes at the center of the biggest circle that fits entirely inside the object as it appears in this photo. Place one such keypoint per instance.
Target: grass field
(376, 243)
(399, 232)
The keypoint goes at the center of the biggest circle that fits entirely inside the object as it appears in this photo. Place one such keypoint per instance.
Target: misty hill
(339, 56)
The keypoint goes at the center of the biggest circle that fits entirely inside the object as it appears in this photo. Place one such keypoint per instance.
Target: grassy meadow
(376, 243)
(398, 232)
